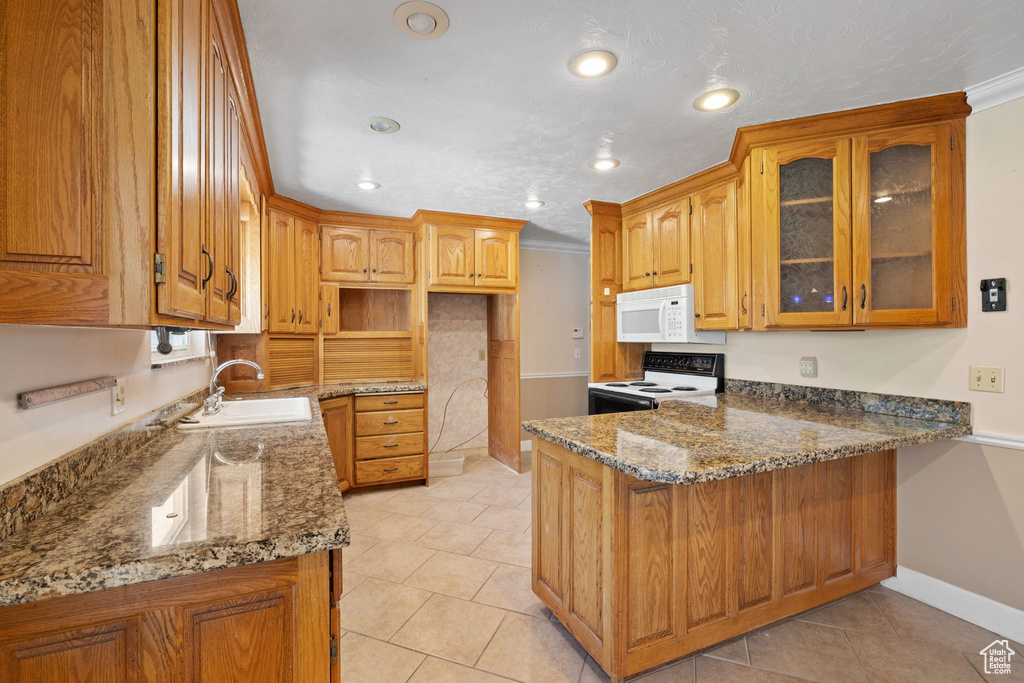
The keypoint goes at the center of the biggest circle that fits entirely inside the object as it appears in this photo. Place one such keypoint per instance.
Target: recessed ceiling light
(883, 200)
(380, 124)
(604, 164)
(367, 185)
(534, 204)
(422, 20)
(713, 100)
(593, 63)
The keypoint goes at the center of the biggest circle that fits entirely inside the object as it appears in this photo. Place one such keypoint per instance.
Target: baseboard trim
(553, 375)
(977, 609)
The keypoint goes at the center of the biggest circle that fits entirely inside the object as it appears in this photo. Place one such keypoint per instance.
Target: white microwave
(663, 315)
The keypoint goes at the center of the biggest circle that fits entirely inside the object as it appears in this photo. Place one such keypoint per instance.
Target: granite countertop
(190, 501)
(700, 439)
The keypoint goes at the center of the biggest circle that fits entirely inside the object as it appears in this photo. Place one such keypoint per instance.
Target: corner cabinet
(863, 231)
(470, 253)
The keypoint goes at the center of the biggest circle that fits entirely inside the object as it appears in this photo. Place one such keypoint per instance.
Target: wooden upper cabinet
(671, 243)
(307, 276)
(497, 258)
(391, 257)
(904, 227)
(805, 225)
(219, 231)
(715, 266)
(744, 269)
(452, 256)
(281, 273)
(345, 254)
(637, 252)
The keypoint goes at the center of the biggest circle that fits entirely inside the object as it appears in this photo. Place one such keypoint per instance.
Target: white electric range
(666, 375)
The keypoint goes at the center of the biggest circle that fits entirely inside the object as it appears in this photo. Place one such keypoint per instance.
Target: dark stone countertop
(690, 441)
(190, 501)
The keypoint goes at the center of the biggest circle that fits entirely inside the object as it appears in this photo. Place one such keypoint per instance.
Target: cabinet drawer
(389, 422)
(389, 446)
(388, 402)
(389, 469)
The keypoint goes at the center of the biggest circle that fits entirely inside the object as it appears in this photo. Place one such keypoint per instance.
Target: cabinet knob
(655, 272)
(479, 274)
(647, 274)
(364, 270)
(375, 270)
(696, 315)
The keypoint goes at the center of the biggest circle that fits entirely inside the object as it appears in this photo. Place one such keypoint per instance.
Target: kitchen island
(657, 534)
(202, 554)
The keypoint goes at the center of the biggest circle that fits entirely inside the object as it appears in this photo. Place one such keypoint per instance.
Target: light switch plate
(986, 378)
(118, 399)
(809, 366)
(576, 353)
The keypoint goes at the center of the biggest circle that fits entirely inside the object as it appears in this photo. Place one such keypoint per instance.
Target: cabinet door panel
(671, 225)
(497, 262)
(307, 276)
(901, 218)
(218, 233)
(338, 424)
(330, 316)
(346, 254)
(716, 259)
(806, 226)
(281, 289)
(637, 259)
(233, 184)
(107, 652)
(452, 256)
(392, 257)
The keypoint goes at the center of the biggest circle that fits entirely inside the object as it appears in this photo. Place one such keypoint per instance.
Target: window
(187, 345)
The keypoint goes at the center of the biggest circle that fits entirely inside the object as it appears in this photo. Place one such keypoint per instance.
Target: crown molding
(563, 247)
(996, 91)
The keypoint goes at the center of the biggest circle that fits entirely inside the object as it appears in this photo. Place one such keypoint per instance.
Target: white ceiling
(491, 116)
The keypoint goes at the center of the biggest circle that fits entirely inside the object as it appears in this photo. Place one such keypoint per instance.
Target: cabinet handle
(209, 259)
(844, 297)
(390, 469)
(391, 445)
(300, 316)
(234, 285)
(329, 308)
(391, 422)
(266, 308)
(293, 315)
(743, 303)
(863, 295)
(390, 403)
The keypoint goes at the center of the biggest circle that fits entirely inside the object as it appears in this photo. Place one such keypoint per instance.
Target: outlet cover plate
(118, 397)
(986, 378)
(809, 366)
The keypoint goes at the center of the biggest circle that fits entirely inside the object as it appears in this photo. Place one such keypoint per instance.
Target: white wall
(961, 517)
(34, 357)
(554, 298)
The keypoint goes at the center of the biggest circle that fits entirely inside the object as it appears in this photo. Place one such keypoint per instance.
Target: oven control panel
(692, 363)
(675, 325)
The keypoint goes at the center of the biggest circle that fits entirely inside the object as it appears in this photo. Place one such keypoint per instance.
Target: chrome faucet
(212, 404)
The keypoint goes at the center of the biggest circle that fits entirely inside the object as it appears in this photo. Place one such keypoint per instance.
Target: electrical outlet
(809, 366)
(577, 333)
(576, 353)
(118, 398)
(986, 378)
(481, 355)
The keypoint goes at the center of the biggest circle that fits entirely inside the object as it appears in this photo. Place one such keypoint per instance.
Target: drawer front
(388, 446)
(389, 422)
(370, 402)
(389, 469)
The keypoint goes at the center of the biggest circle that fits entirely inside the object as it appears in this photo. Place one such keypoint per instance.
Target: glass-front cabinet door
(901, 204)
(807, 234)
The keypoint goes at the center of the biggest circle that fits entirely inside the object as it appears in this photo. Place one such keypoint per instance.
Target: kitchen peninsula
(657, 534)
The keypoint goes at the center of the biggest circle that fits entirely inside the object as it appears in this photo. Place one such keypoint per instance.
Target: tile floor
(437, 589)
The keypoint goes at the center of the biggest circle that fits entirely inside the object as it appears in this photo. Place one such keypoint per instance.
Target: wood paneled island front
(658, 534)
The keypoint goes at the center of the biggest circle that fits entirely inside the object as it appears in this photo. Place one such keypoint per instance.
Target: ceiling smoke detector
(380, 124)
(423, 20)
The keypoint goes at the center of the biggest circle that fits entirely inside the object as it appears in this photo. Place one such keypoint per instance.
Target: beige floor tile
(368, 660)
(890, 659)
(535, 650)
(455, 511)
(362, 518)
(525, 481)
(681, 672)
(357, 545)
(350, 580)
(369, 498)
(502, 546)
(736, 651)
(502, 481)
(379, 608)
(435, 670)
(401, 528)
(509, 588)
(501, 495)
(1016, 674)
(410, 502)
(390, 561)
(592, 673)
(484, 464)
(711, 670)
(494, 517)
(456, 575)
(806, 650)
(917, 621)
(454, 489)
(856, 613)
(453, 537)
(450, 628)
(527, 503)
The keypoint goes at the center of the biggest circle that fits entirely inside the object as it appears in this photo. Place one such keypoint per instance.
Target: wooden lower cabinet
(269, 621)
(643, 573)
